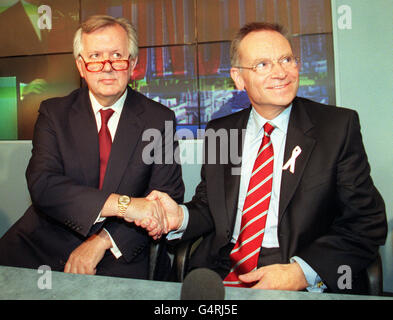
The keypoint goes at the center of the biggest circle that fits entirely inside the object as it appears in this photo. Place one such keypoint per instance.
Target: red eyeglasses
(97, 66)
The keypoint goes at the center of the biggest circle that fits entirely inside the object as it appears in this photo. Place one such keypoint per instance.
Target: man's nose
(278, 71)
(107, 67)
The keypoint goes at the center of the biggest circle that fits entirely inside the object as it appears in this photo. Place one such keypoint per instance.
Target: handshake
(158, 213)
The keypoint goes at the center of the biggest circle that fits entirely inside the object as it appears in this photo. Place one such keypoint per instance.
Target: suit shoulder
(61, 102)
(228, 121)
(323, 115)
(315, 108)
(326, 119)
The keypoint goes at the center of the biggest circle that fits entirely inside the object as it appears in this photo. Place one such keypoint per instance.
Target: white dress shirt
(117, 107)
(252, 142)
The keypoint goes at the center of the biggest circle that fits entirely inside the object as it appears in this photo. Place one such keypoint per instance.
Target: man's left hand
(85, 257)
(277, 277)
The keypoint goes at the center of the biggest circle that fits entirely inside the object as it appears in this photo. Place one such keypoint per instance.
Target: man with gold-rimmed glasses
(87, 177)
(301, 204)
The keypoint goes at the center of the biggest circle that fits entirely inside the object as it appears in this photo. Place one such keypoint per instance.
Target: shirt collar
(280, 122)
(117, 106)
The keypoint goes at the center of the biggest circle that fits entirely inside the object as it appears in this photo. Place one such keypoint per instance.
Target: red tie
(105, 141)
(245, 253)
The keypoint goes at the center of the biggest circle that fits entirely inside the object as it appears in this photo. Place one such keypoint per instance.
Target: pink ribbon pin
(291, 162)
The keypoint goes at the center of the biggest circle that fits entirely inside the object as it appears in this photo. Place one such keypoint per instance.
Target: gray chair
(375, 277)
(181, 258)
(158, 263)
(182, 254)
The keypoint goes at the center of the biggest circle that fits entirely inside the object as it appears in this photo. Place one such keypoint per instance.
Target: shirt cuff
(177, 234)
(313, 279)
(115, 250)
(99, 218)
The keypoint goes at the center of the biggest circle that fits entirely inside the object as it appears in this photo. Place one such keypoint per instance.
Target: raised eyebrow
(93, 53)
(257, 61)
(289, 55)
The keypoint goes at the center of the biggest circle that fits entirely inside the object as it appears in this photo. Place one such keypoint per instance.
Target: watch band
(122, 204)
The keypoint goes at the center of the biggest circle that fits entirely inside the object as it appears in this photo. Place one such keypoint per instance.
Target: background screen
(184, 53)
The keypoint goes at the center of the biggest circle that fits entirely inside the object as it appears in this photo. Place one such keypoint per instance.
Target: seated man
(301, 204)
(81, 184)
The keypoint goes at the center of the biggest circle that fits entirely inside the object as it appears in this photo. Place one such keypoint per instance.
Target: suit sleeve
(360, 227)
(165, 177)
(53, 193)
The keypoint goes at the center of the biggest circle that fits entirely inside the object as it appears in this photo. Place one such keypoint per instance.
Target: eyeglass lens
(117, 65)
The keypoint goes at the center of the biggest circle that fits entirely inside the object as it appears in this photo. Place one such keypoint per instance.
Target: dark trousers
(267, 256)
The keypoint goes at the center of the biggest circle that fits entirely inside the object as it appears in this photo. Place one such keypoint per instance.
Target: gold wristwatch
(122, 203)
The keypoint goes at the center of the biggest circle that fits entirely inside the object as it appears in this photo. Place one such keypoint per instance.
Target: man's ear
(237, 78)
(79, 65)
(133, 64)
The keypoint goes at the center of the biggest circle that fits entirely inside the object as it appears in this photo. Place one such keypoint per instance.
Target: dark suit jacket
(63, 177)
(330, 213)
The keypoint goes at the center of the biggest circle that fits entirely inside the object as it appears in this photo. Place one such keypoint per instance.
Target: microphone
(202, 284)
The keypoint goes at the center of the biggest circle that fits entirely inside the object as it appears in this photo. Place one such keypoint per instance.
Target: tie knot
(105, 115)
(268, 128)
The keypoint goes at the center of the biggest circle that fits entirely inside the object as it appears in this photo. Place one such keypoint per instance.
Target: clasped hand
(158, 213)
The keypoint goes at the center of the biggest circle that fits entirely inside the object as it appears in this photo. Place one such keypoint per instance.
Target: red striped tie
(245, 253)
(105, 141)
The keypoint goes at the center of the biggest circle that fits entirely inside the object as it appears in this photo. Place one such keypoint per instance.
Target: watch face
(124, 200)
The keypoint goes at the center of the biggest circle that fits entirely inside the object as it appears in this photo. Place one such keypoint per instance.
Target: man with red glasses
(87, 172)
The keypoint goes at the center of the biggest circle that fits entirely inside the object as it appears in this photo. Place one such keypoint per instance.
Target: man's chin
(106, 98)
(283, 101)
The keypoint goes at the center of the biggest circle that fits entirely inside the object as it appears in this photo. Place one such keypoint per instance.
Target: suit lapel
(232, 171)
(128, 131)
(299, 125)
(85, 137)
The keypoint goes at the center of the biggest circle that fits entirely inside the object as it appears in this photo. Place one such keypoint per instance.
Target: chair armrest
(154, 249)
(375, 277)
(183, 251)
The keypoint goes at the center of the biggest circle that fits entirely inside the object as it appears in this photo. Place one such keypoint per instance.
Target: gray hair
(96, 22)
(245, 30)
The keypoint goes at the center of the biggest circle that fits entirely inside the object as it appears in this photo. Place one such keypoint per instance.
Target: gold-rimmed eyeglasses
(97, 66)
(265, 66)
